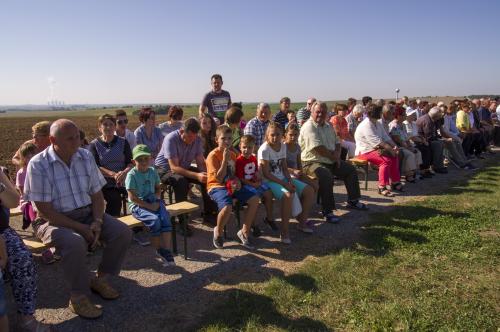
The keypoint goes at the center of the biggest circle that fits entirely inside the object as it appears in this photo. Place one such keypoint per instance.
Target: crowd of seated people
(73, 195)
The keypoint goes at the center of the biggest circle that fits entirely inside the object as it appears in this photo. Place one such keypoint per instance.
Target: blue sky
(165, 51)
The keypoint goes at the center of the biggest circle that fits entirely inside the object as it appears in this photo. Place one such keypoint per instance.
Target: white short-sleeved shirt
(49, 179)
(275, 158)
(130, 137)
(369, 135)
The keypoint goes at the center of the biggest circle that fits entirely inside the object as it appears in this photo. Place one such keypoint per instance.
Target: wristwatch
(2, 187)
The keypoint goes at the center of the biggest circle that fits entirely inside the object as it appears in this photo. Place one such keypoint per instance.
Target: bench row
(176, 210)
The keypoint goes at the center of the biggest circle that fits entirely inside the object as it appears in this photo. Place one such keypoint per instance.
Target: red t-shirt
(246, 168)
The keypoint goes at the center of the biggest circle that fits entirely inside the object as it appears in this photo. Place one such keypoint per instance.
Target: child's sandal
(385, 192)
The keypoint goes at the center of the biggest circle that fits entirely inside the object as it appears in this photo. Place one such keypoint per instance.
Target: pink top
(20, 177)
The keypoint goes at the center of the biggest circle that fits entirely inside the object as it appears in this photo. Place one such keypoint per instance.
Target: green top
(313, 135)
(143, 183)
(463, 122)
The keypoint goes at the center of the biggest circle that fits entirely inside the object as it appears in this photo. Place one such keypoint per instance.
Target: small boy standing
(248, 173)
(143, 187)
(221, 163)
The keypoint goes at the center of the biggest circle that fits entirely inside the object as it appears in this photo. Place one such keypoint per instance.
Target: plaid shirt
(50, 180)
(257, 129)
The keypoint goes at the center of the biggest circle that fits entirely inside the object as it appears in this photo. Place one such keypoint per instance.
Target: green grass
(189, 110)
(424, 266)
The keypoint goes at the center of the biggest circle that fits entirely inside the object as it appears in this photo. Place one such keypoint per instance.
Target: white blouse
(369, 135)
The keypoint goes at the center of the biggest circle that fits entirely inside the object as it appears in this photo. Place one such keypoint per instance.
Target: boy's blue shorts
(221, 196)
(259, 191)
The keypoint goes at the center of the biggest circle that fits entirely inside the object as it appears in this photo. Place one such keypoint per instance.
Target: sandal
(397, 186)
(385, 192)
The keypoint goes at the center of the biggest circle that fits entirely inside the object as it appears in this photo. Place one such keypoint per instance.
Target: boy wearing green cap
(143, 187)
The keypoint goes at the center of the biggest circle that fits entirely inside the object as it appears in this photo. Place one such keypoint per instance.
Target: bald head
(65, 138)
(60, 126)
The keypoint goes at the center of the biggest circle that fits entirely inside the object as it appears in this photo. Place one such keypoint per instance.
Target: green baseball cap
(140, 150)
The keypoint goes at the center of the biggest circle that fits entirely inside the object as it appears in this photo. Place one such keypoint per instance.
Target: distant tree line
(158, 109)
(484, 96)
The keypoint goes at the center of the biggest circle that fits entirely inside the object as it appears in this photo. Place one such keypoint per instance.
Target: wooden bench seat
(363, 165)
(177, 210)
(34, 245)
(15, 212)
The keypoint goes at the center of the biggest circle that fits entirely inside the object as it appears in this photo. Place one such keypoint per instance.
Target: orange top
(214, 162)
(340, 125)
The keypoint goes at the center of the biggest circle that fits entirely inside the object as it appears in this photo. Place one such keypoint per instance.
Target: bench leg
(366, 176)
(237, 208)
(170, 194)
(174, 235)
(124, 205)
(184, 227)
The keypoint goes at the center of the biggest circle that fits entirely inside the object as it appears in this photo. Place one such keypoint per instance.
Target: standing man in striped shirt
(65, 185)
(305, 112)
(281, 117)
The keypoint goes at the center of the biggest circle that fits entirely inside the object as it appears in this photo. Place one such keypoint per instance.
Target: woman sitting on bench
(114, 158)
(375, 146)
(16, 259)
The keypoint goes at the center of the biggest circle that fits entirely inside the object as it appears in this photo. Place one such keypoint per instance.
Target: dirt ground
(154, 298)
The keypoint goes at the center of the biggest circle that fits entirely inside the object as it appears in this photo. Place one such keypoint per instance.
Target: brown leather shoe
(104, 289)
(85, 309)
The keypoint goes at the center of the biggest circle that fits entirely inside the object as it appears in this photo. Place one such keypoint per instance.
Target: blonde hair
(41, 128)
(25, 150)
(273, 125)
(247, 139)
(222, 130)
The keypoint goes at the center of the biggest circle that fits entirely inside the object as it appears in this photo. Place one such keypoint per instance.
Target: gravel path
(175, 298)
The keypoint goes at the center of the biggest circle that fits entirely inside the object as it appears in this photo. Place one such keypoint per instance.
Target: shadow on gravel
(165, 303)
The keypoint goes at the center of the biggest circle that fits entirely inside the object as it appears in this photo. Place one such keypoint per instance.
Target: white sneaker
(244, 240)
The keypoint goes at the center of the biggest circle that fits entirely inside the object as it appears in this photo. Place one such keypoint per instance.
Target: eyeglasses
(120, 122)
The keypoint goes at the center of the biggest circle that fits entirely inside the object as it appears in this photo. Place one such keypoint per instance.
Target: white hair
(358, 109)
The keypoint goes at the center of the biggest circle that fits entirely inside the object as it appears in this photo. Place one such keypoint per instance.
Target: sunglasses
(120, 122)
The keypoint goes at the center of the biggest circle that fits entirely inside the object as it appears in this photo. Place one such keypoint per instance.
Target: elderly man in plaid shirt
(65, 185)
(258, 125)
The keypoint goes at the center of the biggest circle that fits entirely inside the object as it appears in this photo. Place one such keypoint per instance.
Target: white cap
(441, 103)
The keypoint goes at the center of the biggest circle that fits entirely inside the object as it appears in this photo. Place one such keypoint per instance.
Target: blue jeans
(220, 196)
(3, 302)
(156, 221)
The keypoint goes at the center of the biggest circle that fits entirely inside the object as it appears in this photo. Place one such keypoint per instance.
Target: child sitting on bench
(143, 187)
(248, 172)
(223, 186)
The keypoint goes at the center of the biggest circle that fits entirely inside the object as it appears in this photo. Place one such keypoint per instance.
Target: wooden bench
(35, 245)
(363, 166)
(15, 212)
(176, 210)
